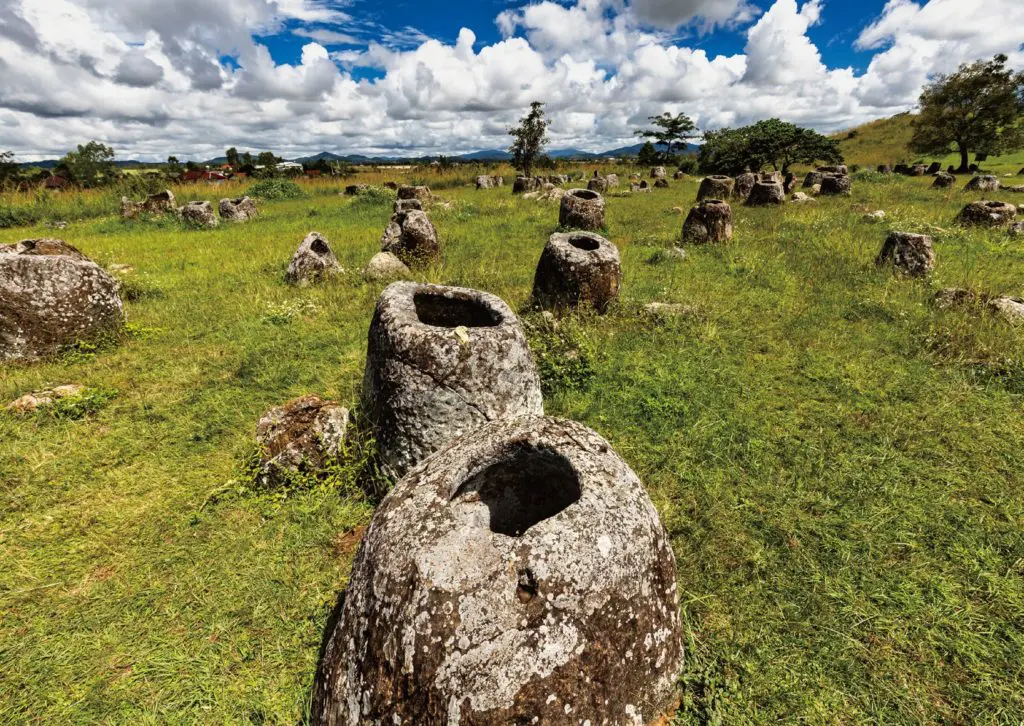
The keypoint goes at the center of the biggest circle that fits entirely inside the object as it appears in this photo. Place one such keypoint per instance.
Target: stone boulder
(598, 184)
(834, 185)
(407, 205)
(901, 169)
(918, 170)
(393, 186)
(743, 184)
(412, 238)
(199, 214)
(299, 437)
(661, 184)
(1017, 229)
(51, 296)
(37, 400)
(812, 179)
(238, 210)
(801, 198)
(577, 268)
(440, 363)
(159, 203)
(986, 183)
(385, 267)
(525, 184)
(313, 261)
(354, 190)
(909, 254)
(582, 209)
(987, 214)
(679, 175)
(839, 170)
(414, 192)
(943, 180)
(521, 576)
(658, 172)
(1010, 309)
(715, 187)
(484, 182)
(708, 222)
(771, 176)
(766, 193)
(613, 180)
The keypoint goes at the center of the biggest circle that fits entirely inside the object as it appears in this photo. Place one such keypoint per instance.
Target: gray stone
(411, 237)
(32, 402)
(812, 179)
(715, 187)
(313, 261)
(299, 437)
(658, 172)
(839, 170)
(385, 267)
(577, 268)
(520, 576)
(1017, 229)
(51, 296)
(417, 192)
(661, 184)
(407, 205)
(710, 221)
(158, 203)
(985, 183)
(833, 185)
(987, 214)
(199, 214)
(918, 170)
(440, 362)
(582, 209)
(1011, 309)
(354, 190)
(613, 180)
(909, 254)
(598, 184)
(238, 210)
(525, 184)
(801, 198)
(954, 297)
(766, 193)
(484, 182)
(943, 180)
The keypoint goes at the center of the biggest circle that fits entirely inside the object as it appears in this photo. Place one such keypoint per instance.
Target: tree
(772, 143)
(8, 168)
(671, 130)
(979, 108)
(648, 155)
(173, 166)
(267, 159)
(91, 165)
(531, 136)
(232, 157)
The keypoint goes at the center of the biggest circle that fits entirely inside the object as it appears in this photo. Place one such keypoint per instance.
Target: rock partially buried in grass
(715, 187)
(198, 214)
(838, 170)
(520, 576)
(1016, 229)
(582, 209)
(835, 185)
(953, 297)
(354, 190)
(943, 180)
(801, 198)
(1011, 309)
(441, 362)
(708, 222)
(766, 193)
(658, 172)
(984, 183)
(385, 267)
(51, 296)
(32, 402)
(299, 437)
(577, 268)
(987, 214)
(314, 261)
(812, 179)
(661, 184)
(238, 210)
(909, 254)
(412, 238)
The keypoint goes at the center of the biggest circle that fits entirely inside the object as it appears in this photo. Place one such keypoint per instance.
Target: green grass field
(839, 464)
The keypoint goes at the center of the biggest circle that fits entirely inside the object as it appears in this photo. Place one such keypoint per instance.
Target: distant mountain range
(486, 155)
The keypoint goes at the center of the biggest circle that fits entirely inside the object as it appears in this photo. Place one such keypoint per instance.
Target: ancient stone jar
(199, 214)
(661, 184)
(440, 362)
(158, 203)
(812, 179)
(52, 295)
(943, 180)
(835, 185)
(612, 179)
(421, 193)
(765, 193)
(313, 261)
(598, 184)
(709, 221)
(521, 576)
(909, 254)
(918, 170)
(299, 437)
(839, 169)
(525, 184)
(715, 187)
(484, 182)
(982, 184)
(412, 238)
(238, 210)
(934, 168)
(577, 268)
(743, 184)
(658, 172)
(582, 209)
(406, 205)
(987, 214)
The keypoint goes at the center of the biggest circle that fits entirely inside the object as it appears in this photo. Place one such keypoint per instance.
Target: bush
(689, 164)
(276, 189)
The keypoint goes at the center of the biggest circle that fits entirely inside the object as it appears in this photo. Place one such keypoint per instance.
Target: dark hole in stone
(712, 201)
(451, 312)
(584, 243)
(526, 588)
(524, 488)
(586, 194)
(320, 247)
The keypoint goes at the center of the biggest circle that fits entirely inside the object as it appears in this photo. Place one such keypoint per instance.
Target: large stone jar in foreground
(441, 362)
(577, 268)
(52, 295)
(520, 576)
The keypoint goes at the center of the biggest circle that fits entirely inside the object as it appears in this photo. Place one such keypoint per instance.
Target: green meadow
(840, 464)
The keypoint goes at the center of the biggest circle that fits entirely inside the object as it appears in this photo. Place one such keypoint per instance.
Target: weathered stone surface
(789, 183)
(765, 193)
(199, 214)
(987, 214)
(840, 170)
(484, 182)
(917, 170)
(52, 295)
(393, 186)
(412, 238)
(238, 210)
(743, 184)
(1017, 189)
(613, 180)
(354, 190)
(658, 172)
(709, 221)
(520, 576)
(770, 176)
(313, 261)
(577, 268)
(813, 178)
(385, 267)
(158, 203)
(901, 169)
(715, 187)
(299, 437)
(639, 188)
(582, 209)
(1017, 229)
(985, 183)
(801, 198)
(31, 402)
(1011, 309)
(661, 184)
(876, 216)
(525, 184)
(943, 180)
(598, 184)
(667, 310)
(953, 297)
(548, 193)
(411, 192)
(909, 254)
(679, 175)
(442, 361)
(835, 185)
(407, 205)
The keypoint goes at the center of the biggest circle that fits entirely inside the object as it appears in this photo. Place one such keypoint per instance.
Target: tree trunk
(965, 159)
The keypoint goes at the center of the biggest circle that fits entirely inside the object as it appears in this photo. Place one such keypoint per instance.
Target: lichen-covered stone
(577, 268)
(298, 437)
(520, 576)
(987, 214)
(238, 210)
(354, 190)
(715, 187)
(199, 214)
(839, 169)
(917, 170)
(440, 362)
(484, 182)
(661, 184)
(524, 184)
(766, 193)
(412, 238)
(812, 179)
(407, 205)
(836, 185)
(158, 203)
(52, 295)
(415, 192)
(801, 198)
(943, 180)
(909, 254)
(385, 267)
(984, 183)
(313, 261)
(598, 184)
(1010, 309)
(709, 221)
(658, 172)
(613, 180)
(32, 402)
(582, 209)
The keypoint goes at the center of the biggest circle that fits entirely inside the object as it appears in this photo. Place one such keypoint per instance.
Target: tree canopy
(773, 143)
(530, 138)
(8, 167)
(978, 108)
(670, 131)
(90, 165)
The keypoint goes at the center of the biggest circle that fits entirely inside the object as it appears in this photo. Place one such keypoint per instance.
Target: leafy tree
(91, 165)
(648, 155)
(9, 169)
(771, 143)
(670, 131)
(173, 166)
(232, 156)
(531, 136)
(267, 159)
(445, 164)
(979, 108)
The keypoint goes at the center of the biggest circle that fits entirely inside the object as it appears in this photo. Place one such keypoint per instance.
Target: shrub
(276, 189)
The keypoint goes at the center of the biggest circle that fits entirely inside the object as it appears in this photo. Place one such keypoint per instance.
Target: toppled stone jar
(314, 261)
(299, 437)
(582, 209)
(577, 268)
(238, 210)
(520, 576)
(440, 362)
(909, 254)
